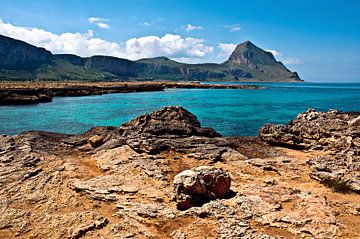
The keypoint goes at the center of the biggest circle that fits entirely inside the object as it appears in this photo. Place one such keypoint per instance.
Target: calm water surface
(230, 112)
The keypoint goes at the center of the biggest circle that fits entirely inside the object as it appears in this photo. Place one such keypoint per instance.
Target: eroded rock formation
(60, 186)
(336, 133)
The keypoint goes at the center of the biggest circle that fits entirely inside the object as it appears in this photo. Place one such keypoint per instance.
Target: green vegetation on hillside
(22, 61)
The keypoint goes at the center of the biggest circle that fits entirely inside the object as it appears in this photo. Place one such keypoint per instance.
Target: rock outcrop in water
(118, 182)
(337, 133)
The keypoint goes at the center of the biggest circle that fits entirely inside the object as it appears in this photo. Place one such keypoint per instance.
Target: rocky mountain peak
(249, 54)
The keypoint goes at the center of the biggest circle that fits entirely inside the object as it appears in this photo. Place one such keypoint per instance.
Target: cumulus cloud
(226, 48)
(168, 45)
(190, 27)
(100, 22)
(286, 60)
(234, 27)
(85, 44)
(275, 53)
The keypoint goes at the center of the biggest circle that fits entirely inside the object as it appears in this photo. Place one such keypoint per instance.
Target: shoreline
(22, 93)
(132, 173)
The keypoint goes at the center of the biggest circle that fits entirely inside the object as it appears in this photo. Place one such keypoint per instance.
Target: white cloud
(226, 48)
(168, 45)
(100, 22)
(286, 60)
(190, 27)
(234, 27)
(85, 44)
(275, 53)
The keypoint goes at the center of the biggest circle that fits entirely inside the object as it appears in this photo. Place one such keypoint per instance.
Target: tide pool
(230, 112)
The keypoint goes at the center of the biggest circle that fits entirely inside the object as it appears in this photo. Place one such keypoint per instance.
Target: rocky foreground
(162, 175)
(23, 93)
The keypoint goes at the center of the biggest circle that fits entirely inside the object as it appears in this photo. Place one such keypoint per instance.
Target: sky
(320, 39)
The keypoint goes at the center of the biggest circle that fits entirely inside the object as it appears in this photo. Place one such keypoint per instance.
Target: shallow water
(230, 112)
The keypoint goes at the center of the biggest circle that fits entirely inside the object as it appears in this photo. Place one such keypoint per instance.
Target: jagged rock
(335, 132)
(171, 127)
(332, 130)
(172, 120)
(197, 185)
(337, 172)
(57, 186)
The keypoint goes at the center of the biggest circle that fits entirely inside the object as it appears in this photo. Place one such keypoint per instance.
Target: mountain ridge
(22, 61)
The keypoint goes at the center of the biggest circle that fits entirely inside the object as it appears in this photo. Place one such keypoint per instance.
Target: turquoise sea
(230, 112)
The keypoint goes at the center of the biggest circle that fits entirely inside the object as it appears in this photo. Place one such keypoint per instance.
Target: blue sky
(319, 39)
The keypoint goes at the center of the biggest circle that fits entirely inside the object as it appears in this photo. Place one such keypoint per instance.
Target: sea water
(229, 111)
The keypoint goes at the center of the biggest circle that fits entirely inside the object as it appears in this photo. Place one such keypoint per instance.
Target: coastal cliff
(162, 175)
(22, 61)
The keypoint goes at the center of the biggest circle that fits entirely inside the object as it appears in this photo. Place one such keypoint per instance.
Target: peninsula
(22, 93)
(248, 63)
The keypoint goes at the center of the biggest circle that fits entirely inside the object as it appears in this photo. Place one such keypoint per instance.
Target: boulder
(96, 141)
(171, 120)
(195, 186)
(169, 127)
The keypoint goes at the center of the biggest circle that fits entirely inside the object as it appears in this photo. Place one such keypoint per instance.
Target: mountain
(22, 61)
(259, 63)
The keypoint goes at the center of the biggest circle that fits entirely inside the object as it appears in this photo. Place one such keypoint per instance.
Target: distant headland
(248, 63)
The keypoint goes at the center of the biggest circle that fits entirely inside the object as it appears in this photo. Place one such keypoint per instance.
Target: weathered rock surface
(333, 130)
(171, 128)
(195, 186)
(59, 186)
(336, 133)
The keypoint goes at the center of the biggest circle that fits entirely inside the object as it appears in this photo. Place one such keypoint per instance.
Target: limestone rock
(330, 130)
(194, 186)
(171, 127)
(96, 141)
(102, 188)
(338, 133)
(172, 120)
(58, 186)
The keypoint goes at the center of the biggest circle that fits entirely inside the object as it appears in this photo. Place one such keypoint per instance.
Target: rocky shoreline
(162, 175)
(19, 93)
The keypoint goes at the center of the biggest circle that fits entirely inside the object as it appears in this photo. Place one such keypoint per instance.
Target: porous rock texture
(59, 186)
(193, 187)
(335, 133)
